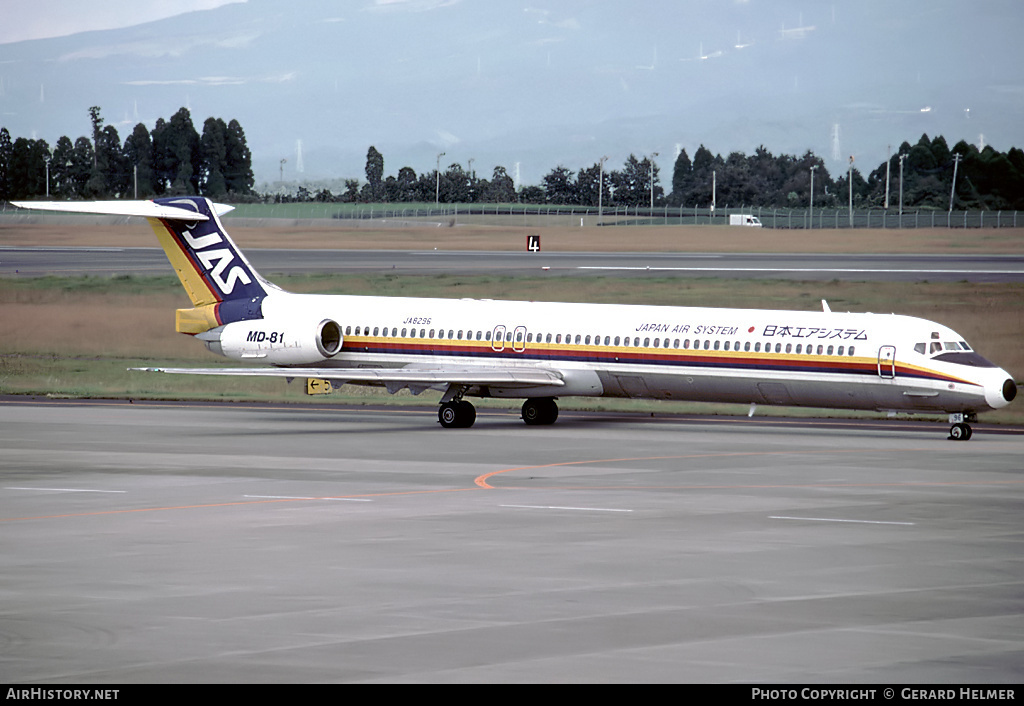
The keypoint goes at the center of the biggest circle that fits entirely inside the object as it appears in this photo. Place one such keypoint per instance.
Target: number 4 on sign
(533, 243)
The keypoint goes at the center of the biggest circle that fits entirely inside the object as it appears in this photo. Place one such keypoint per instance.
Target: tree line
(986, 179)
(173, 159)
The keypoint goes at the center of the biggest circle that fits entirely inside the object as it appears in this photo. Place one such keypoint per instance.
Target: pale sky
(524, 84)
(40, 19)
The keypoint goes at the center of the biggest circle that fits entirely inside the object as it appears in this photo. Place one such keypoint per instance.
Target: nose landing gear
(959, 429)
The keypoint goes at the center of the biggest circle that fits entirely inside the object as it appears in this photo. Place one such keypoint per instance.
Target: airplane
(540, 351)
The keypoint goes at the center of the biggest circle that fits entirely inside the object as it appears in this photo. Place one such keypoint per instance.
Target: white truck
(744, 220)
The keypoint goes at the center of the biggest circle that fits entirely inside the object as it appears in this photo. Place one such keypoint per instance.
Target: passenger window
(636, 342)
(707, 345)
(657, 342)
(850, 352)
(726, 345)
(829, 351)
(789, 347)
(840, 351)
(799, 348)
(617, 339)
(746, 346)
(578, 339)
(716, 345)
(820, 349)
(778, 347)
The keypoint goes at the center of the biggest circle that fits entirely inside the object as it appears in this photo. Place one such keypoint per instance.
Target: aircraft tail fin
(221, 283)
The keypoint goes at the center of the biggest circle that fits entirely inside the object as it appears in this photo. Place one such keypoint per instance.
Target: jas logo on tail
(217, 262)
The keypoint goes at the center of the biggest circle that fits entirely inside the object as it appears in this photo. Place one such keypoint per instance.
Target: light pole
(652, 179)
(849, 179)
(811, 207)
(902, 157)
(437, 186)
(952, 192)
(600, 188)
(46, 161)
(888, 161)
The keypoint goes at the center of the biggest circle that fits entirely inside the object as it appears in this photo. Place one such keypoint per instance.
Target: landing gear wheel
(960, 432)
(456, 415)
(539, 411)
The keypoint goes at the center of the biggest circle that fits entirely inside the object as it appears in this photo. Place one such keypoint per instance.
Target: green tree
(6, 150)
(682, 179)
(501, 188)
(138, 152)
(559, 186)
(183, 149)
(374, 174)
(238, 175)
(214, 150)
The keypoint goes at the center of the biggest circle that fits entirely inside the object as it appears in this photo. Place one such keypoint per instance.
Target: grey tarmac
(180, 542)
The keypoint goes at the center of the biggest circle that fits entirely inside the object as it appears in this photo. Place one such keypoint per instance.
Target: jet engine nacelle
(278, 342)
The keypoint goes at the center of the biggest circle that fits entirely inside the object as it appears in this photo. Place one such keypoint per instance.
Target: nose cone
(1000, 390)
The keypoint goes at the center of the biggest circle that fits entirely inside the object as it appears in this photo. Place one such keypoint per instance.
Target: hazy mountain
(555, 83)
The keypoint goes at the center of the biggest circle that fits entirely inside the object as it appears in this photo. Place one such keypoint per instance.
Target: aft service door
(887, 362)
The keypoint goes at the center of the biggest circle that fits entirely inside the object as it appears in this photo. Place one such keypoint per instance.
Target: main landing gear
(539, 411)
(960, 430)
(456, 413)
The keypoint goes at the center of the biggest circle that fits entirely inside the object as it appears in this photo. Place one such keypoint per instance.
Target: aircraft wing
(505, 377)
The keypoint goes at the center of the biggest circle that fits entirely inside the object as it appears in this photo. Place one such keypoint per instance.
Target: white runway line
(831, 519)
(303, 497)
(559, 507)
(70, 490)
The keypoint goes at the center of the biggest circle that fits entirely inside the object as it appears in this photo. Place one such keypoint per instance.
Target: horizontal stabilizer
(145, 209)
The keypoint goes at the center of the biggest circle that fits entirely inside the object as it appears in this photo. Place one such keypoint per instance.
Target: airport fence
(398, 215)
(534, 215)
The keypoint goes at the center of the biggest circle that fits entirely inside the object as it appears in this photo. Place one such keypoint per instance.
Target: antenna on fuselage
(824, 307)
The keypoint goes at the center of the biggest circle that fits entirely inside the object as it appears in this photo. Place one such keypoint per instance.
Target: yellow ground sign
(316, 386)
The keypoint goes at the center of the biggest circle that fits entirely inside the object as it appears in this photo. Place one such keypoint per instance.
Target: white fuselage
(820, 359)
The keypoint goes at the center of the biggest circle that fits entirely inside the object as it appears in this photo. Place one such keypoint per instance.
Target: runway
(885, 267)
(161, 542)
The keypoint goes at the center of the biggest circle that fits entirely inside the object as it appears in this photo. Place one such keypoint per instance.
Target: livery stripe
(189, 271)
(712, 360)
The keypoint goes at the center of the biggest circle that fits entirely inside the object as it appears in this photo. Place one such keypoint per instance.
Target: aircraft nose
(1001, 391)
